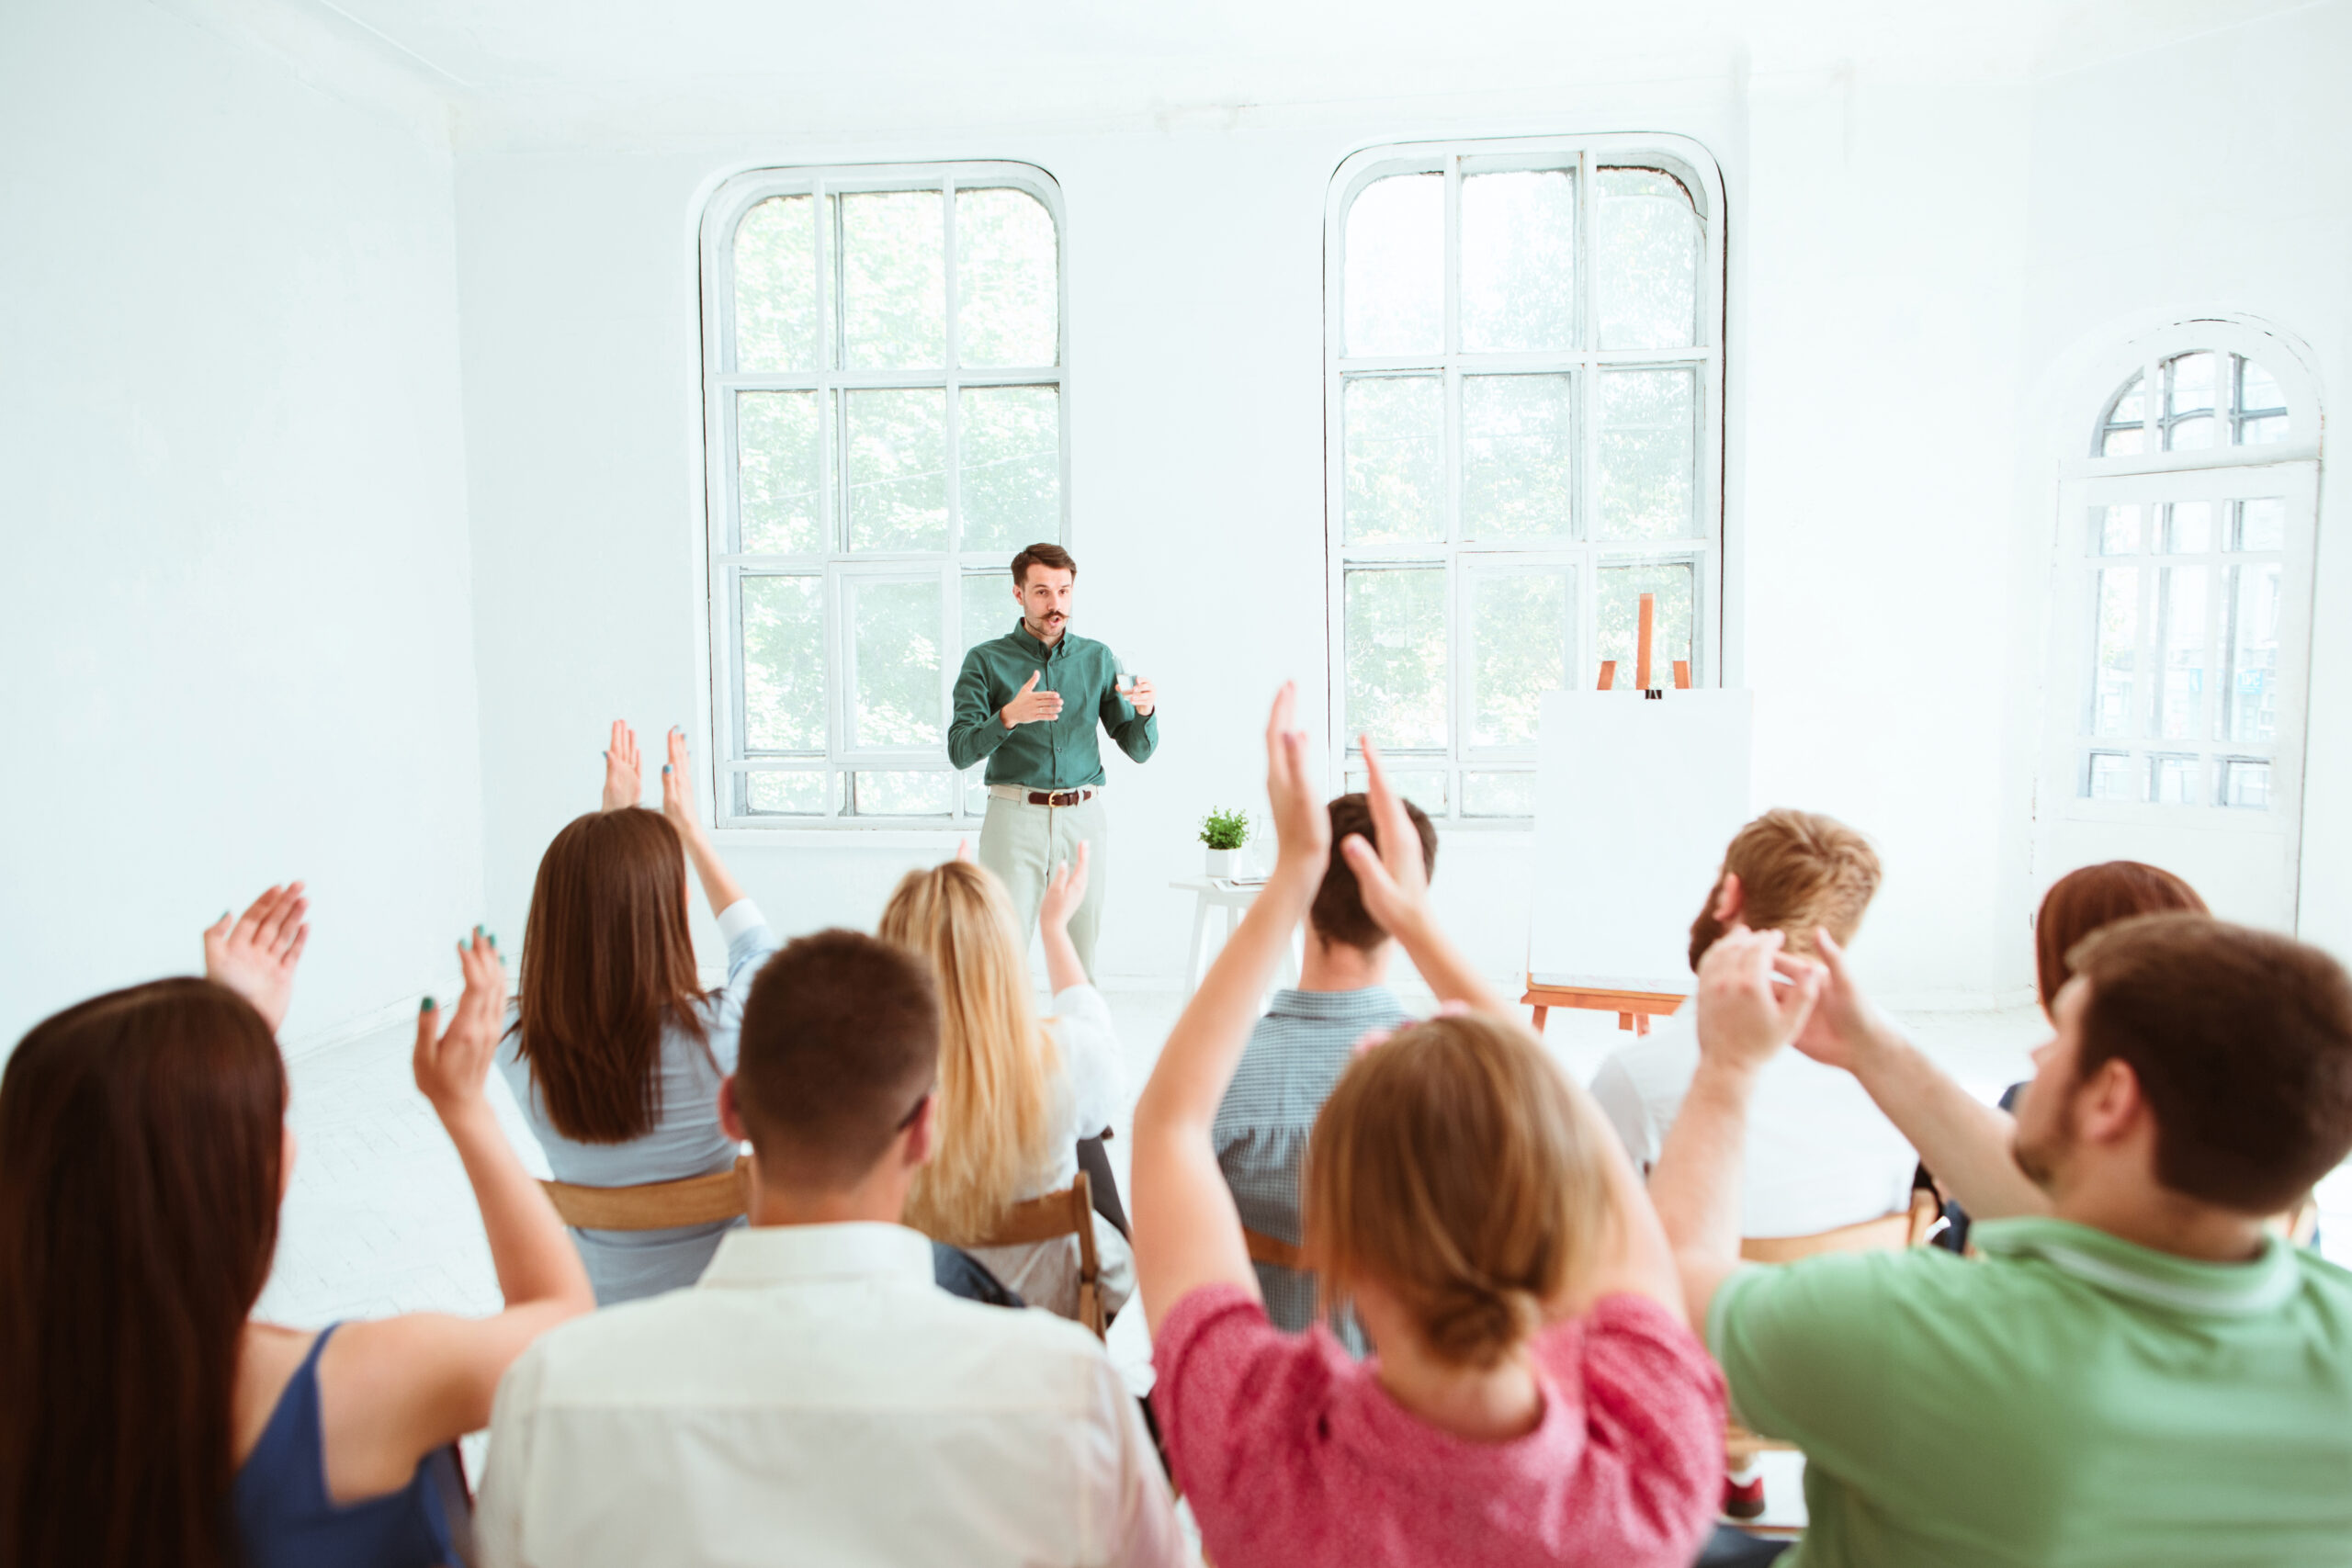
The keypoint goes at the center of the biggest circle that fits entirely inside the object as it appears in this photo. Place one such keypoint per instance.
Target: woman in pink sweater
(1536, 1396)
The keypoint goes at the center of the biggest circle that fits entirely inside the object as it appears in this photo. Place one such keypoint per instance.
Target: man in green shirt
(1028, 702)
(2134, 1372)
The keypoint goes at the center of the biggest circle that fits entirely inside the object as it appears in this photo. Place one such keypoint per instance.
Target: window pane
(2116, 530)
(2130, 406)
(1424, 787)
(2116, 658)
(777, 474)
(2107, 775)
(2192, 434)
(785, 795)
(1396, 651)
(2258, 390)
(2245, 782)
(894, 280)
(1518, 442)
(775, 285)
(2188, 385)
(2263, 432)
(1617, 608)
(1648, 263)
(898, 469)
(2123, 442)
(2172, 780)
(1010, 472)
(783, 663)
(2188, 527)
(1518, 252)
(1008, 308)
(1395, 459)
(2253, 653)
(988, 609)
(903, 794)
(2262, 525)
(1497, 794)
(894, 630)
(1393, 285)
(2180, 630)
(1522, 634)
(1647, 443)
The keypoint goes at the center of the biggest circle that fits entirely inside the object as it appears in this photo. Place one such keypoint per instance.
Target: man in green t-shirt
(2134, 1372)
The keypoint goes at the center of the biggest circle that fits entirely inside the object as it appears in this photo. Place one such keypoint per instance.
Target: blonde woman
(1016, 1093)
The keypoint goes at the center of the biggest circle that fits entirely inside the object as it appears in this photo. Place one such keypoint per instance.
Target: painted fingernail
(477, 930)
(424, 1005)
(665, 767)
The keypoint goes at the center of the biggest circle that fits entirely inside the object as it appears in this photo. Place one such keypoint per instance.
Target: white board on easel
(1635, 800)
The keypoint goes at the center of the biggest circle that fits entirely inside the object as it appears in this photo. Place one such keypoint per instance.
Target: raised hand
(452, 1065)
(1753, 997)
(254, 954)
(1064, 891)
(1030, 706)
(1846, 1025)
(621, 783)
(677, 786)
(1394, 880)
(1144, 697)
(1302, 821)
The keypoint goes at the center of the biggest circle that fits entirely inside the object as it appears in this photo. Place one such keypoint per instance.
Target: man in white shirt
(1820, 1154)
(816, 1398)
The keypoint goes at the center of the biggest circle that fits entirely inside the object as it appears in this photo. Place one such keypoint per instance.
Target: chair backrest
(655, 1205)
(1888, 1232)
(1069, 1211)
(1274, 1250)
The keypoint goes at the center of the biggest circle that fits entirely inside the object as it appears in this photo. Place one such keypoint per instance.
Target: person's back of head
(2084, 900)
(608, 963)
(840, 1049)
(1451, 1169)
(995, 1061)
(141, 1160)
(1798, 871)
(1338, 915)
(2240, 1045)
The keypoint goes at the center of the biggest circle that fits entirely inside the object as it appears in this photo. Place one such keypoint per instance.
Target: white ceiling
(707, 64)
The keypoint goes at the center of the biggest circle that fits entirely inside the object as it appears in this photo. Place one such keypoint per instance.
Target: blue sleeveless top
(285, 1517)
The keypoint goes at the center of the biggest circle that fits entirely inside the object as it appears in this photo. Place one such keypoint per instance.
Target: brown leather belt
(1055, 797)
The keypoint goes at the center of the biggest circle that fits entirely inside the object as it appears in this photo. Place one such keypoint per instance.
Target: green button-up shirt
(1061, 753)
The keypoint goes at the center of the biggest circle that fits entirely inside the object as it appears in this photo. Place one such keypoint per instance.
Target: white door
(2180, 631)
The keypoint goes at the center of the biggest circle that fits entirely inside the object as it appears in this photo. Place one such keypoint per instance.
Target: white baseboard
(393, 1014)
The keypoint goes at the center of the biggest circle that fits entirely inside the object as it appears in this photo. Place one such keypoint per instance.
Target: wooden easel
(1634, 1009)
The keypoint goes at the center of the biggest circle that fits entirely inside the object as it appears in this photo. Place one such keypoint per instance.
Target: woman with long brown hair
(1016, 1093)
(614, 1050)
(146, 1418)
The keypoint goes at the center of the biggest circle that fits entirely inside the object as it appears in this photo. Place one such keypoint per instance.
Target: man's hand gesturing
(1029, 705)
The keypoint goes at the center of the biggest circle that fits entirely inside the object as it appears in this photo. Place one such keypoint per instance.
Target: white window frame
(731, 760)
(1688, 162)
(2287, 468)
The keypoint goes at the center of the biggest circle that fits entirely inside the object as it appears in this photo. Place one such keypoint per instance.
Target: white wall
(234, 612)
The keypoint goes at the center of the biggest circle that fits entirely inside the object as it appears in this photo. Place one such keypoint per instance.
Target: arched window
(2184, 618)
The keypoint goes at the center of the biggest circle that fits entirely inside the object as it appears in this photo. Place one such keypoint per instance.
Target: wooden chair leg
(1541, 1014)
(1641, 1023)
(1625, 1021)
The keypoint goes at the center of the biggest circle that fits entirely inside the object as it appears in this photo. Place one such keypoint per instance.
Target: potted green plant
(1224, 832)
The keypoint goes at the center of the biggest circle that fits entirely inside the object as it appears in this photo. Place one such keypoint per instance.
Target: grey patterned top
(1294, 1055)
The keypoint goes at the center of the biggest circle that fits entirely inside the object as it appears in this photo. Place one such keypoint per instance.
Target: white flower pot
(1225, 862)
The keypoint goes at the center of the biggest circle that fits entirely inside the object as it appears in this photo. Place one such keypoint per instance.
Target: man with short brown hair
(1029, 702)
(1820, 1155)
(2135, 1370)
(817, 1398)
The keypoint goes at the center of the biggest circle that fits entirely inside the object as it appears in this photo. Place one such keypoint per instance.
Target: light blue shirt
(1295, 1057)
(685, 1141)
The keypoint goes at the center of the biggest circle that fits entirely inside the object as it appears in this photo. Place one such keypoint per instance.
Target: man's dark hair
(1338, 913)
(2241, 1043)
(1053, 557)
(840, 1044)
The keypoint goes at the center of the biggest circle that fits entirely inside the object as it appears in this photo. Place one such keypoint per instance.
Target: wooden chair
(1070, 1211)
(1888, 1232)
(655, 1205)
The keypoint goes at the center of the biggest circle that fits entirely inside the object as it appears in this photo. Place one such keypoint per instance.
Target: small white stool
(1220, 893)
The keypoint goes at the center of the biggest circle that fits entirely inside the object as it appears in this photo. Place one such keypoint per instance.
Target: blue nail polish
(665, 767)
(424, 1005)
